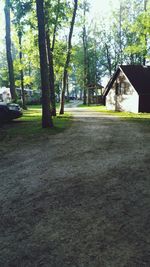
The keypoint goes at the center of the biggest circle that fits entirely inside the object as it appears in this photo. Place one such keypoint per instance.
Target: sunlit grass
(124, 115)
(29, 127)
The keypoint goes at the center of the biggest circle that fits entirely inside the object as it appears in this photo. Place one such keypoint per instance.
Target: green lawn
(141, 117)
(29, 127)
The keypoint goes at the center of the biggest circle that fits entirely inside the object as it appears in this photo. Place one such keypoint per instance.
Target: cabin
(31, 96)
(94, 93)
(5, 95)
(129, 89)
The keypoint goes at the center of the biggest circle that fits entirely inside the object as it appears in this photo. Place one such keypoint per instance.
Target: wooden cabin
(129, 89)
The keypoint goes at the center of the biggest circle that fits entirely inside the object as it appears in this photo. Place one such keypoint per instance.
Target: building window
(121, 90)
(117, 89)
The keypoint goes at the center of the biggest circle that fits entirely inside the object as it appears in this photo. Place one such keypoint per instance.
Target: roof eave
(111, 81)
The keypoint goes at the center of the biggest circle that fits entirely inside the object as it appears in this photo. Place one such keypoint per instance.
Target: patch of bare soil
(79, 199)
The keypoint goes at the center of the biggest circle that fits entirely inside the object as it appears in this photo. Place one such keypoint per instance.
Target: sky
(103, 7)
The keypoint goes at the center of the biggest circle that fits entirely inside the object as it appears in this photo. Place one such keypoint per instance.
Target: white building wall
(126, 100)
(111, 100)
(128, 103)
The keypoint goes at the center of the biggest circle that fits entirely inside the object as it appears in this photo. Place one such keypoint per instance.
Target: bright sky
(103, 7)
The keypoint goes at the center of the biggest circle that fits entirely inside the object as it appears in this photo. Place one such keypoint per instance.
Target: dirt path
(79, 199)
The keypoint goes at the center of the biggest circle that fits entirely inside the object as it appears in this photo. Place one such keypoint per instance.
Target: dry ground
(78, 199)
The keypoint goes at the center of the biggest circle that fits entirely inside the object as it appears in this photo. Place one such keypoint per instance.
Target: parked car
(9, 111)
(72, 98)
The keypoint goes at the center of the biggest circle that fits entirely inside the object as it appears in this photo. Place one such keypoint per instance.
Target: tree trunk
(46, 114)
(51, 75)
(21, 72)
(56, 25)
(85, 65)
(108, 60)
(120, 35)
(131, 59)
(88, 82)
(50, 50)
(145, 37)
(88, 97)
(67, 87)
(67, 59)
(8, 51)
(84, 39)
(145, 5)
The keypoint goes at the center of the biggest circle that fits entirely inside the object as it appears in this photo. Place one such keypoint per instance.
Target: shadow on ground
(78, 199)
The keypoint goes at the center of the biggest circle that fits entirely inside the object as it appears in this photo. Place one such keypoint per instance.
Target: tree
(85, 46)
(8, 51)
(51, 74)
(56, 15)
(20, 9)
(46, 114)
(65, 74)
(139, 29)
(50, 49)
(4, 79)
(21, 69)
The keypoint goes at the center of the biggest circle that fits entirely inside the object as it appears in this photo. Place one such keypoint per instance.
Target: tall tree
(85, 46)
(64, 82)
(8, 50)
(51, 74)
(46, 114)
(139, 28)
(145, 35)
(20, 9)
(50, 48)
(21, 69)
(55, 14)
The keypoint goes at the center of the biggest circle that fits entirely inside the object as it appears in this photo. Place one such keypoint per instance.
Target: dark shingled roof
(138, 76)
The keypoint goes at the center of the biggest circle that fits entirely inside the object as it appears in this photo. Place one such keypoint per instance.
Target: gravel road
(80, 198)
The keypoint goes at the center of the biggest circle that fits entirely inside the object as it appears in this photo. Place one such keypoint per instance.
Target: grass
(137, 117)
(28, 127)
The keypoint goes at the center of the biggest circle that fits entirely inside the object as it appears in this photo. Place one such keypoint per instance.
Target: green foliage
(141, 29)
(3, 70)
(30, 53)
(56, 12)
(59, 57)
(20, 9)
(124, 40)
(78, 64)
